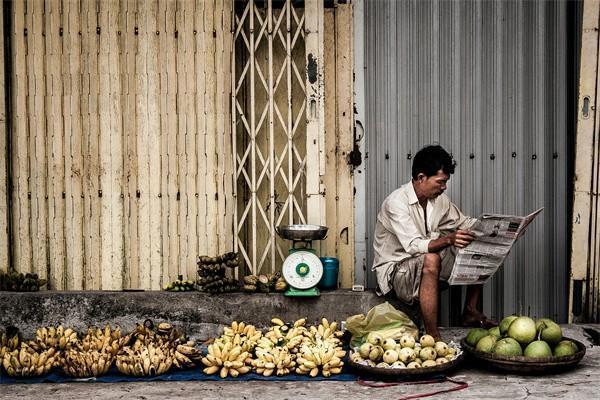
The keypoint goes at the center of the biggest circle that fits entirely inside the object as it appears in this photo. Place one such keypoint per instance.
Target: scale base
(293, 292)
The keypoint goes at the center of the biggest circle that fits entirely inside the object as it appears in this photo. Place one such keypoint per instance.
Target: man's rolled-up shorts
(406, 277)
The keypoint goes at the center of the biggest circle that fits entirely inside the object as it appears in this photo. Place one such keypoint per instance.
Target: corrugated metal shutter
(488, 81)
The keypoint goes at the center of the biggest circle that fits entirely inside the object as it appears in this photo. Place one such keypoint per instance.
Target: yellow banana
(277, 322)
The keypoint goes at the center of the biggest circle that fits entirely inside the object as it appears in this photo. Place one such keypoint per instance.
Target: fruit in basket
(374, 338)
(413, 364)
(376, 353)
(507, 347)
(427, 341)
(407, 341)
(428, 363)
(441, 348)
(427, 353)
(495, 331)
(505, 323)
(522, 330)
(537, 348)
(475, 335)
(398, 364)
(390, 356)
(550, 330)
(565, 348)
(389, 344)
(365, 349)
(407, 355)
(486, 343)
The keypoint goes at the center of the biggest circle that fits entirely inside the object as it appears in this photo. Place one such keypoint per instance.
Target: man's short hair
(430, 159)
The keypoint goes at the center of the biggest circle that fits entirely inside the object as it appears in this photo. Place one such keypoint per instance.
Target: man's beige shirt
(400, 230)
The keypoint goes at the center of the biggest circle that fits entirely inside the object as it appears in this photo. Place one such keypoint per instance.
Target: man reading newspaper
(417, 232)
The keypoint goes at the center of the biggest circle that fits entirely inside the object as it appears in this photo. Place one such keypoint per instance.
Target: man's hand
(461, 238)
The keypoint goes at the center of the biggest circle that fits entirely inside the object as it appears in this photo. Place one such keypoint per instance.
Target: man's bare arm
(460, 239)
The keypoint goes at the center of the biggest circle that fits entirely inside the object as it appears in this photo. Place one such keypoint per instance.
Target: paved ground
(580, 384)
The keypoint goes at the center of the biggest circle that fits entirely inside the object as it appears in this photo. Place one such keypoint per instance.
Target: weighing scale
(302, 269)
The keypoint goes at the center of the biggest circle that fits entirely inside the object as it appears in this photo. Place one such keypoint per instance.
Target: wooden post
(4, 211)
(315, 112)
(586, 162)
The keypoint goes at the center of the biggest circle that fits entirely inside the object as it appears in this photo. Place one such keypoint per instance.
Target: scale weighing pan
(302, 232)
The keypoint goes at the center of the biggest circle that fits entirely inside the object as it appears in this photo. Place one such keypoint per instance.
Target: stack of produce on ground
(407, 352)
(211, 273)
(265, 283)
(522, 336)
(13, 281)
(94, 354)
(180, 285)
(282, 349)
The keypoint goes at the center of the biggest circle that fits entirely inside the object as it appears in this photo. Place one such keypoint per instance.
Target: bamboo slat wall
(120, 140)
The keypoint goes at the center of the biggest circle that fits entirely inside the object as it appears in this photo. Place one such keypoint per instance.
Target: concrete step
(200, 314)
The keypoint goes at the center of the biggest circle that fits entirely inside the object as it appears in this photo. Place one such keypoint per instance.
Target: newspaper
(495, 235)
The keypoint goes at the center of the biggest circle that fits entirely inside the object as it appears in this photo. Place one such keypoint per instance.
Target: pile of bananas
(17, 282)
(241, 334)
(26, 361)
(322, 352)
(265, 283)
(94, 355)
(211, 273)
(226, 359)
(9, 341)
(180, 285)
(54, 337)
(146, 352)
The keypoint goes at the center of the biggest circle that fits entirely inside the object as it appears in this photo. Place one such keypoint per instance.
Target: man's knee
(432, 264)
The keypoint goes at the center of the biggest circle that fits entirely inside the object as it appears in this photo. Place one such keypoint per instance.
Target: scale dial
(302, 270)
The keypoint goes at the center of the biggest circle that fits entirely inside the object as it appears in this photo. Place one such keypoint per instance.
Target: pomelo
(495, 331)
(537, 348)
(505, 323)
(474, 335)
(565, 348)
(508, 347)
(486, 343)
(551, 331)
(522, 330)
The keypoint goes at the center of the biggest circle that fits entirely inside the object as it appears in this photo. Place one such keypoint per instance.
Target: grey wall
(489, 81)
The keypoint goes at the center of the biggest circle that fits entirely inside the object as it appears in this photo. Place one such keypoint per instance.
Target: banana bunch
(84, 364)
(290, 336)
(277, 359)
(226, 359)
(9, 341)
(180, 285)
(322, 351)
(105, 340)
(186, 355)
(145, 359)
(241, 334)
(94, 354)
(58, 337)
(26, 361)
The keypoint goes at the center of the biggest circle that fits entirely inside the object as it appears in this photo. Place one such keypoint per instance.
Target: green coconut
(507, 347)
(486, 343)
(522, 330)
(565, 348)
(537, 348)
(505, 323)
(550, 330)
(475, 335)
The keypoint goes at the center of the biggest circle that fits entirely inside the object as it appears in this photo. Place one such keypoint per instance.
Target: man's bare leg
(428, 293)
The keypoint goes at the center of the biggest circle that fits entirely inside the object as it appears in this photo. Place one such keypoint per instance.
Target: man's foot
(478, 321)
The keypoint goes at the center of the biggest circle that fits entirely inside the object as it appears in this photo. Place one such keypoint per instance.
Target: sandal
(483, 322)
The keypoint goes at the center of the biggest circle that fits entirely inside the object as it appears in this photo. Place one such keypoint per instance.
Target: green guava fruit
(537, 348)
(550, 330)
(495, 331)
(474, 335)
(507, 347)
(486, 343)
(522, 330)
(565, 348)
(505, 323)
